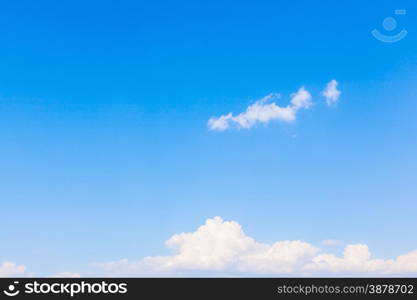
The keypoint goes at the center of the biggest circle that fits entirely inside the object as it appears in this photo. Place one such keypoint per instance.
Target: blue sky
(106, 153)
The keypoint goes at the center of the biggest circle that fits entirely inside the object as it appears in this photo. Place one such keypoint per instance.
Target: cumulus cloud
(263, 111)
(10, 269)
(222, 247)
(219, 246)
(331, 93)
(357, 259)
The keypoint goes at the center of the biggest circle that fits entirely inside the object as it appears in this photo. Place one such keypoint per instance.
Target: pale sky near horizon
(271, 132)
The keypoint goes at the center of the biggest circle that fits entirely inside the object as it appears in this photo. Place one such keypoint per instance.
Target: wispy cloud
(11, 269)
(331, 93)
(263, 111)
(222, 247)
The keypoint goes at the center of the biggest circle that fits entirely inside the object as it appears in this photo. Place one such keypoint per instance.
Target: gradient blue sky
(105, 151)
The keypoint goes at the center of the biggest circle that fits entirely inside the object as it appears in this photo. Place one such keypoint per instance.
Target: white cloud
(264, 111)
(221, 123)
(221, 247)
(301, 99)
(10, 269)
(331, 93)
(218, 246)
(357, 259)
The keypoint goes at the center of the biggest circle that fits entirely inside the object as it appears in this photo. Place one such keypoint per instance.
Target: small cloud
(221, 123)
(10, 269)
(331, 242)
(331, 93)
(263, 111)
(301, 99)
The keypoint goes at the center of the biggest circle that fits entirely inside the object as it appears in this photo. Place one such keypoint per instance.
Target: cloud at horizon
(10, 269)
(222, 247)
